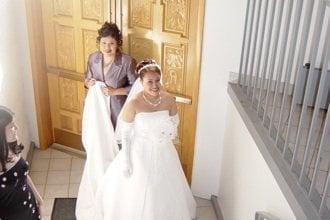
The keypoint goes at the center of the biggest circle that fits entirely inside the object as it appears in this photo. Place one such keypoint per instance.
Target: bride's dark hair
(147, 65)
(6, 117)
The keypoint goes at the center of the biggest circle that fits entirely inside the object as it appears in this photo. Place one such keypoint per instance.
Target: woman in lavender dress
(111, 66)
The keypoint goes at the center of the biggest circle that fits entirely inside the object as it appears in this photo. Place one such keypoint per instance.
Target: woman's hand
(90, 82)
(109, 91)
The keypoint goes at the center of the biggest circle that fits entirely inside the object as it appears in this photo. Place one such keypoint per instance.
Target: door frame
(39, 72)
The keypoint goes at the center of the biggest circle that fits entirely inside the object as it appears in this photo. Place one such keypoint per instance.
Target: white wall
(222, 40)
(16, 90)
(246, 183)
(223, 34)
(227, 162)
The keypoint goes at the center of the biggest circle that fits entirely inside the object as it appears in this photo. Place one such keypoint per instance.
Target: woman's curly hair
(112, 30)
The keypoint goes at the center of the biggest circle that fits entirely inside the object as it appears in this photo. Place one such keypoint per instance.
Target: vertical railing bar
(248, 45)
(268, 42)
(243, 44)
(317, 102)
(254, 45)
(280, 63)
(325, 196)
(298, 69)
(289, 67)
(264, 18)
(326, 131)
(259, 53)
(308, 87)
(273, 57)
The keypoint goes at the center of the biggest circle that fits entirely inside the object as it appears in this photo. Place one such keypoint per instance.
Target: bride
(145, 180)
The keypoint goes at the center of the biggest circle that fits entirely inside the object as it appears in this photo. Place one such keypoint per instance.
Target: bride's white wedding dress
(157, 188)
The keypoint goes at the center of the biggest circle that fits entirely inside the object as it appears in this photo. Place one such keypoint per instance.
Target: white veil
(136, 88)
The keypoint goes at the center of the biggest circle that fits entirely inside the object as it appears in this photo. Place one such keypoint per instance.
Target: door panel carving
(140, 48)
(89, 42)
(63, 7)
(174, 68)
(65, 47)
(176, 16)
(93, 10)
(68, 95)
(141, 13)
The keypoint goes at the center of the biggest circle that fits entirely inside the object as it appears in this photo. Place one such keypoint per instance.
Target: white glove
(126, 131)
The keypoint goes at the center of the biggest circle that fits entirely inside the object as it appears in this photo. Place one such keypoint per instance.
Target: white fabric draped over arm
(98, 138)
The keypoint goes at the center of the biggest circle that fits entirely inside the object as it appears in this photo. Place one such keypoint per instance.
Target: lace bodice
(155, 126)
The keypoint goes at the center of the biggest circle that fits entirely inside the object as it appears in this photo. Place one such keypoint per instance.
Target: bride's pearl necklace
(154, 104)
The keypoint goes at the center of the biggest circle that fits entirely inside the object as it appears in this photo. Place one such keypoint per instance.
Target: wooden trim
(39, 76)
(68, 139)
(69, 150)
(195, 94)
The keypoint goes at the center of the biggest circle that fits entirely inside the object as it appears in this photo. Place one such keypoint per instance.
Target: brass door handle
(182, 99)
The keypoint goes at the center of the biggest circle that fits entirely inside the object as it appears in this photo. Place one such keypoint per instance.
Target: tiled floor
(58, 174)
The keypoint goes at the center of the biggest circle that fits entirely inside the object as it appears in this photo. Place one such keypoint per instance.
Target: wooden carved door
(169, 31)
(70, 30)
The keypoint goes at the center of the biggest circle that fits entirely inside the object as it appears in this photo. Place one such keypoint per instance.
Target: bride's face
(151, 83)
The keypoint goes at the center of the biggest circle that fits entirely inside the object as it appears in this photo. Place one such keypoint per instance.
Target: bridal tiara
(149, 65)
